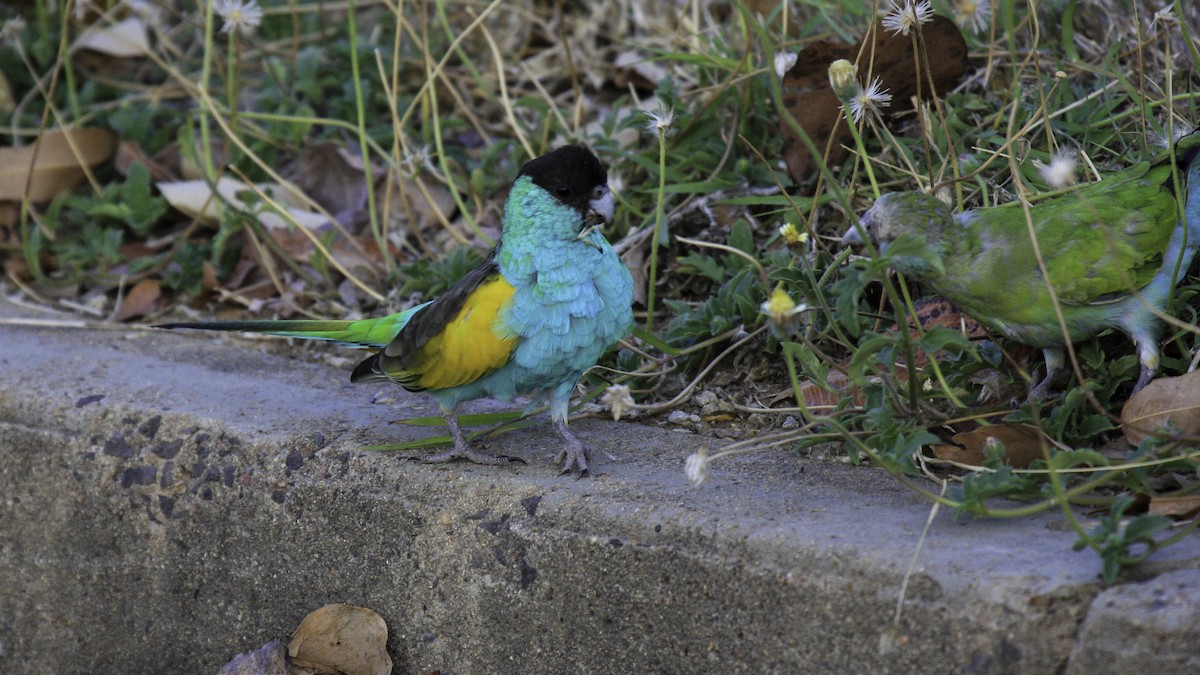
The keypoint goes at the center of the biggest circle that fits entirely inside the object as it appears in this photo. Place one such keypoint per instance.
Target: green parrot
(1114, 251)
(550, 299)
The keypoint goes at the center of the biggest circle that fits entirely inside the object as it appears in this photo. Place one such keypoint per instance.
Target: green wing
(1098, 243)
(1109, 238)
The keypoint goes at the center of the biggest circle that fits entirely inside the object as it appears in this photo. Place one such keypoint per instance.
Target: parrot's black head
(573, 176)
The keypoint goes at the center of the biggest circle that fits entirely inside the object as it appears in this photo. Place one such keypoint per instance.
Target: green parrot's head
(912, 228)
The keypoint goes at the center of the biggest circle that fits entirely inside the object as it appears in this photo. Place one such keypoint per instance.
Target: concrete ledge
(172, 500)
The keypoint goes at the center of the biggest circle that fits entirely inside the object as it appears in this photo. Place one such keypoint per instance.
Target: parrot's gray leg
(1147, 344)
(462, 450)
(573, 453)
(1055, 360)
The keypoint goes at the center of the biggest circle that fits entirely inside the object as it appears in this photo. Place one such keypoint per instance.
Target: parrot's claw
(471, 455)
(462, 450)
(573, 454)
(1144, 378)
(1048, 388)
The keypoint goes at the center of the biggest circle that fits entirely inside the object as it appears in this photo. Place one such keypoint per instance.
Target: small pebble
(679, 417)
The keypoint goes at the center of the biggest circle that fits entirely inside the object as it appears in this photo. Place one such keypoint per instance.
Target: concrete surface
(170, 500)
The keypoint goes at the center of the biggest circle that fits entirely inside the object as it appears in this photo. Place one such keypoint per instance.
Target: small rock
(117, 446)
(682, 418)
(138, 475)
(88, 400)
(149, 428)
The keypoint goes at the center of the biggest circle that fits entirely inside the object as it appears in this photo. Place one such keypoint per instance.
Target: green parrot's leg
(1055, 360)
(462, 450)
(1148, 356)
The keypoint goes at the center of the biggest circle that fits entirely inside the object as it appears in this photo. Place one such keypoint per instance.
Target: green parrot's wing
(456, 339)
(1109, 238)
(1097, 243)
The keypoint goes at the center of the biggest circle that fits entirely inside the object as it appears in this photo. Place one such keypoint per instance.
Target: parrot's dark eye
(563, 191)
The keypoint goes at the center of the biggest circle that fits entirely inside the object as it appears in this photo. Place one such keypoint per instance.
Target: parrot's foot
(1047, 388)
(1056, 373)
(573, 453)
(1143, 379)
(462, 450)
(471, 455)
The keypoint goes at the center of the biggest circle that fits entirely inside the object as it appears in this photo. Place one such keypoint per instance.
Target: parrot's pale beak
(602, 204)
(852, 237)
(600, 212)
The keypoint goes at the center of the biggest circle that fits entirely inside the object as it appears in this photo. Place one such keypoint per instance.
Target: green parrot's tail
(364, 333)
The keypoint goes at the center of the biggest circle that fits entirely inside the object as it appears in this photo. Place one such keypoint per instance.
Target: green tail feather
(370, 333)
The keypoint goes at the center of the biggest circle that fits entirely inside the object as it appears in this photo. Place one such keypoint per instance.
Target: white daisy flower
(901, 20)
(869, 100)
(240, 15)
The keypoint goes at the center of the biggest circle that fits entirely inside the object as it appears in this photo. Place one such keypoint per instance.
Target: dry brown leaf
(333, 176)
(1166, 399)
(141, 300)
(16, 268)
(417, 205)
(10, 218)
(129, 152)
(132, 250)
(843, 389)
(208, 277)
(7, 102)
(195, 198)
(51, 165)
(1022, 445)
(811, 101)
(1182, 507)
(342, 639)
(124, 39)
(635, 68)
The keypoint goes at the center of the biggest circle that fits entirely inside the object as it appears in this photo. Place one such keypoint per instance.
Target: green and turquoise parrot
(550, 299)
(1114, 251)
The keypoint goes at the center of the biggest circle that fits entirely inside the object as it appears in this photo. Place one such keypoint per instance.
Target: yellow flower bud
(791, 235)
(843, 77)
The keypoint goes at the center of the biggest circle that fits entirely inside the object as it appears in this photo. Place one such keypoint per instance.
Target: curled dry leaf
(811, 101)
(634, 68)
(342, 638)
(333, 176)
(53, 164)
(1166, 399)
(124, 39)
(840, 389)
(416, 204)
(195, 198)
(141, 300)
(129, 153)
(7, 102)
(1181, 507)
(1022, 445)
